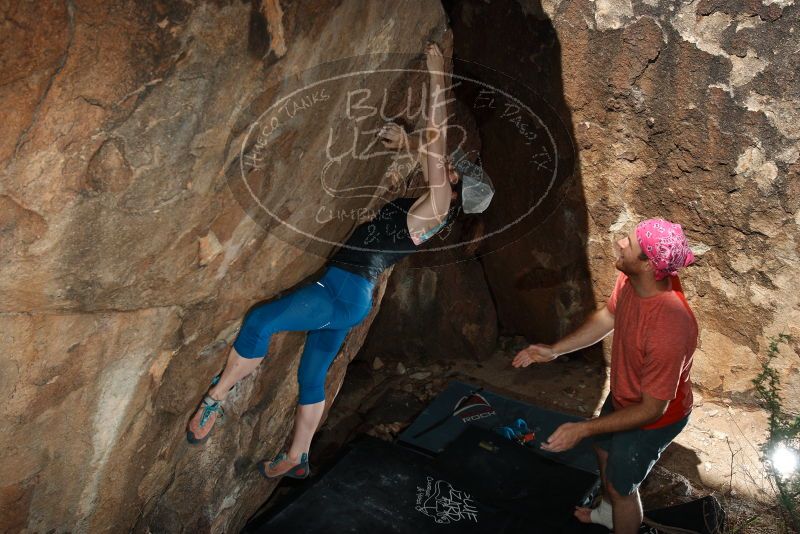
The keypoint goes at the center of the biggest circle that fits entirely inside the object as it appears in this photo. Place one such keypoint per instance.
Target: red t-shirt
(654, 340)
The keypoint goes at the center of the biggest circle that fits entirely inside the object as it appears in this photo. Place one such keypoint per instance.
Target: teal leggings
(327, 309)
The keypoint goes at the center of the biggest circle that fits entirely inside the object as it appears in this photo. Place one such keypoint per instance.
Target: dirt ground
(717, 453)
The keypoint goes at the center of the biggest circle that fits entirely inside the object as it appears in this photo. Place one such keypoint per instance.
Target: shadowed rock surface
(689, 112)
(684, 112)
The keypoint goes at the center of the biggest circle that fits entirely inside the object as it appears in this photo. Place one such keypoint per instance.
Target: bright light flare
(784, 460)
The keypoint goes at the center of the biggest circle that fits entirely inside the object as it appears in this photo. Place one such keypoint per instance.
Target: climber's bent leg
(299, 310)
(236, 368)
(307, 308)
(321, 348)
(306, 421)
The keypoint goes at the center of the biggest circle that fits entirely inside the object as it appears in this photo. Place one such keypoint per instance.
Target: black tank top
(376, 245)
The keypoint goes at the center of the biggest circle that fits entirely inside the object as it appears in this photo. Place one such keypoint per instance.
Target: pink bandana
(665, 245)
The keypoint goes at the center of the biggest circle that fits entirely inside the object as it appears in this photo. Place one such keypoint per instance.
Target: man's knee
(602, 459)
(600, 451)
(615, 496)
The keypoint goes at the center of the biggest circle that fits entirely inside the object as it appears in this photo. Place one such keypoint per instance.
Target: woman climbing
(342, 297)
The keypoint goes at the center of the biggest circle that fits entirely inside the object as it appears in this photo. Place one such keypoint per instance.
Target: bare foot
(584, 515)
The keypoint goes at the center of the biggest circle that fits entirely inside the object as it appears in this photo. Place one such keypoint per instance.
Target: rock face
(128, 256)
(686, 111)
(128, 259)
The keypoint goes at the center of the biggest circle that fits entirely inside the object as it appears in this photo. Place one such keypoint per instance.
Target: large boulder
(129, 255)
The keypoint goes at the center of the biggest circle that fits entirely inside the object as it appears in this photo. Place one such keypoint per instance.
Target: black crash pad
(538, 493)
(478, 481)
(380, 487)
(461, 405)
(482, 482)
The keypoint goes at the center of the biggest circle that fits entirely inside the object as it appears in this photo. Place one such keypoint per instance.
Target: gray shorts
(633, 453)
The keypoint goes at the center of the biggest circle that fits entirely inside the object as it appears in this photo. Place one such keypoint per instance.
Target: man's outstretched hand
(565, 437)
(538, 353)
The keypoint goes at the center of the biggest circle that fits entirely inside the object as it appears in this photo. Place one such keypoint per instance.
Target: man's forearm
(630, 417)
(568, 435)
(595, 328)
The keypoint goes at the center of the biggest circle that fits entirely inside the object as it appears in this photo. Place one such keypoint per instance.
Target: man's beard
(620, 266)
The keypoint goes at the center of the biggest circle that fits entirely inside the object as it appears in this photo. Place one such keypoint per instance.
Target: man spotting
(655, 335)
